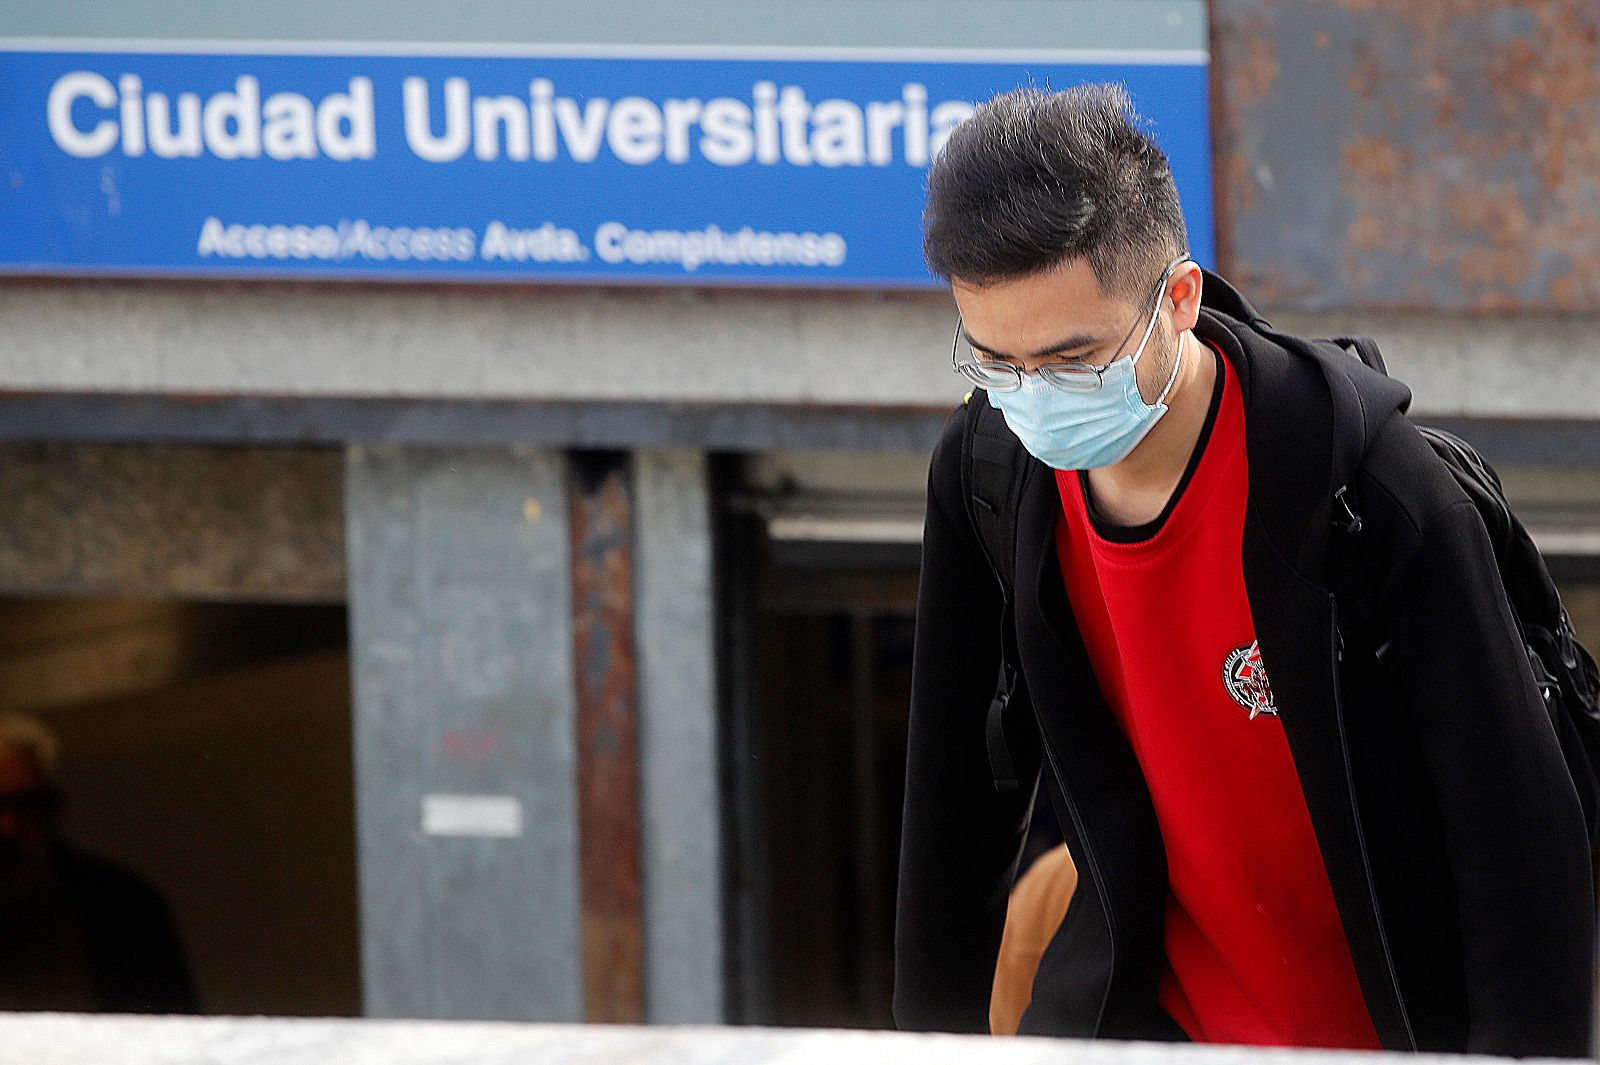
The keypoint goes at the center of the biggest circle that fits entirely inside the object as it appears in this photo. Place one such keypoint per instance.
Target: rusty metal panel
(171, 522)
(1430, 154)
(604, 651)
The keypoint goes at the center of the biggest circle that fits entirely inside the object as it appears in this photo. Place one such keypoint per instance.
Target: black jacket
(1453, 838)
(135, 958)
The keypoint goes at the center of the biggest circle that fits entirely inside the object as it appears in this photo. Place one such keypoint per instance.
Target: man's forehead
(1069, 287)
(1038, 311)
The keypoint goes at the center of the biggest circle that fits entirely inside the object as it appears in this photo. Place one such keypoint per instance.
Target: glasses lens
(1071, 378)
(995, 376)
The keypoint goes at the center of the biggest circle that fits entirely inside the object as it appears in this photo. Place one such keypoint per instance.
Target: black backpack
(994, 466)
(1563, 669)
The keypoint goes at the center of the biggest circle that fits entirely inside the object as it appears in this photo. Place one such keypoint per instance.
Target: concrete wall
(263, 524)
(688, 346)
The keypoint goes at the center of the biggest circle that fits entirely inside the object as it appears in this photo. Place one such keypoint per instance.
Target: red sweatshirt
(1255, 950)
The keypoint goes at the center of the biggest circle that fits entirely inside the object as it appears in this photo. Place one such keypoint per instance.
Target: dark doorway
(834, 691)
(817, 649)
(204, 748)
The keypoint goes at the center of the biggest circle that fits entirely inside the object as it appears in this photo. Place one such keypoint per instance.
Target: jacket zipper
(1361, 838)
(1094, 869)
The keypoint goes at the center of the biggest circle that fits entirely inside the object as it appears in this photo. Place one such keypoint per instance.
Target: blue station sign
(576, 164)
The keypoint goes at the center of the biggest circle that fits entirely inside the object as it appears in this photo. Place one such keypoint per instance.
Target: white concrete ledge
(78, 1039)
(654, 346)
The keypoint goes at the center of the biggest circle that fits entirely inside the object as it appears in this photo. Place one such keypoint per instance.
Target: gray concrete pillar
(681, 830)
(460, 603)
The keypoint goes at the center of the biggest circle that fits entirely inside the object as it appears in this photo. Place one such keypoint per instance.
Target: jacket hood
(1381, 396)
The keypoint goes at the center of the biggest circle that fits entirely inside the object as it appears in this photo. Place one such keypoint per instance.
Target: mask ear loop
(1155, 312)
(1177, 360)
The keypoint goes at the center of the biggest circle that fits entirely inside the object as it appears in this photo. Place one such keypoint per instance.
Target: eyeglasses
(997, 376)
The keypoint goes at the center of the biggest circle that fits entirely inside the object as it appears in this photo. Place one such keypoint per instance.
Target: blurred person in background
(1278, 839)
(76, 933)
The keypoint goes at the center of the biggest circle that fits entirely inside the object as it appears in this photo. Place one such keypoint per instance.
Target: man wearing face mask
(1277, 843)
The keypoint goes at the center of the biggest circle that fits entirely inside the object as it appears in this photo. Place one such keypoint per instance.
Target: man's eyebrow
(1071, 343)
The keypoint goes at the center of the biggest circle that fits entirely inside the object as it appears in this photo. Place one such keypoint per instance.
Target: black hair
(1034, 179)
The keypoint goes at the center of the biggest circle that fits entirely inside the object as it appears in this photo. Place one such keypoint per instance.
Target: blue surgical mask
(1085, 430)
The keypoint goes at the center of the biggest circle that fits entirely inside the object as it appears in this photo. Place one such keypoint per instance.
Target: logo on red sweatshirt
(1246, 678)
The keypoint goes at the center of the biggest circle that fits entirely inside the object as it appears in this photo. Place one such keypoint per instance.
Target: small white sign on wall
(481, 816)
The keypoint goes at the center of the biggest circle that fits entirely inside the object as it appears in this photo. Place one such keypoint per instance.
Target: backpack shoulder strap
(1352, 430)
(991, 474)
(1365, 349)
(992, 471)
(1354, 436)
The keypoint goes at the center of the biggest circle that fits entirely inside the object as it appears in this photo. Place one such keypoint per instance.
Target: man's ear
(1185, 294)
